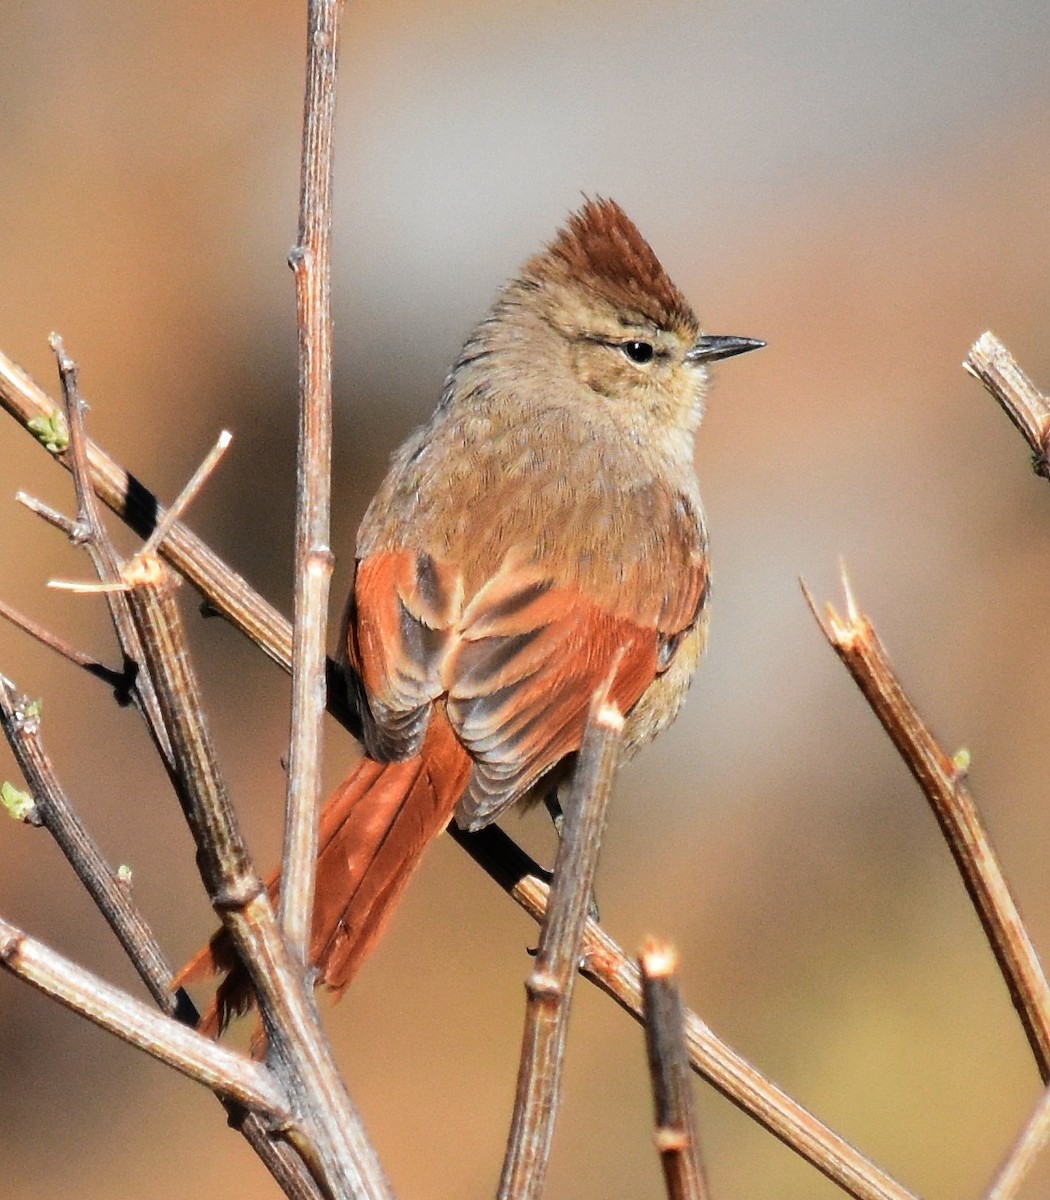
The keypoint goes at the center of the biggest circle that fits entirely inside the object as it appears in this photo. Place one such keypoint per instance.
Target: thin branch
(88, 521)
(136, 1023)
(116, 680)
(669, 1070)
(1026, 406)
(943, 782)
(550, 983)
(21, 724)
(1023, 1153)
(334, 1146)
(311, 262)
(607, 965)
(189, 493)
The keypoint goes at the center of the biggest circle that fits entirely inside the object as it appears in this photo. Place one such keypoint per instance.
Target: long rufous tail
(373, 832)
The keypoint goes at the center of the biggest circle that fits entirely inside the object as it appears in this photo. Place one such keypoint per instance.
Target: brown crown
(600, 247)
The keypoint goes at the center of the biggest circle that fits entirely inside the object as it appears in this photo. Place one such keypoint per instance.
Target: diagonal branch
(230, 1074)
(65, 650)
(334, 1147)
(1023, 1153)
(943, 782)
(21, 724)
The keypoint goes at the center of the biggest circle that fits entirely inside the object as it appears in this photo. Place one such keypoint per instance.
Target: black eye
(639, 352)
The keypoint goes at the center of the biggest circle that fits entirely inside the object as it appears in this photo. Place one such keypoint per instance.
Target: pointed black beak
(720, 345)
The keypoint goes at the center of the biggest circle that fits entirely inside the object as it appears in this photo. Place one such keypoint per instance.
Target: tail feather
(373, 832)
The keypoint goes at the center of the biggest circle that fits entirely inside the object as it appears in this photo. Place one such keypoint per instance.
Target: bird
(540, 537)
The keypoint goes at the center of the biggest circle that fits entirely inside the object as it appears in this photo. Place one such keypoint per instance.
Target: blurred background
(862, 186)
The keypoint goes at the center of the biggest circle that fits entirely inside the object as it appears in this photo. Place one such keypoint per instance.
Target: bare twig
(116, 680)
(943, 782)
(180, 1047)
(607, 965)
(1023, 1154)
(21, 724)
(189, 493)
(227, 592)
(333, 1143)
(550, 983)
(311, 262)
(1026, 406)
(88, 522)
(669, 1069)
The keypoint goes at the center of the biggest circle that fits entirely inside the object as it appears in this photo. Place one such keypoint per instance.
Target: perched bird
(544, 526)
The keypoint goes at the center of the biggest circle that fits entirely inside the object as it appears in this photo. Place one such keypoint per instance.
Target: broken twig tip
(609, 717)
(659, 960)
(852, 612)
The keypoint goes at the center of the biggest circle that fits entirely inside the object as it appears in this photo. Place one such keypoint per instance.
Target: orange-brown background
(864, 187)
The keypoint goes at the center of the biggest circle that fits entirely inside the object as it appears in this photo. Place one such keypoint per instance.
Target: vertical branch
(670, 1074)
(89, 531)
(550, 983)
(311, 262)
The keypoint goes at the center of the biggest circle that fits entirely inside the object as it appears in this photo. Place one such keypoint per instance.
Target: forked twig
(1025, 405)
(311, 262)
(943, 782)
(227, 592)
(550, 982)
(669, 1071)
